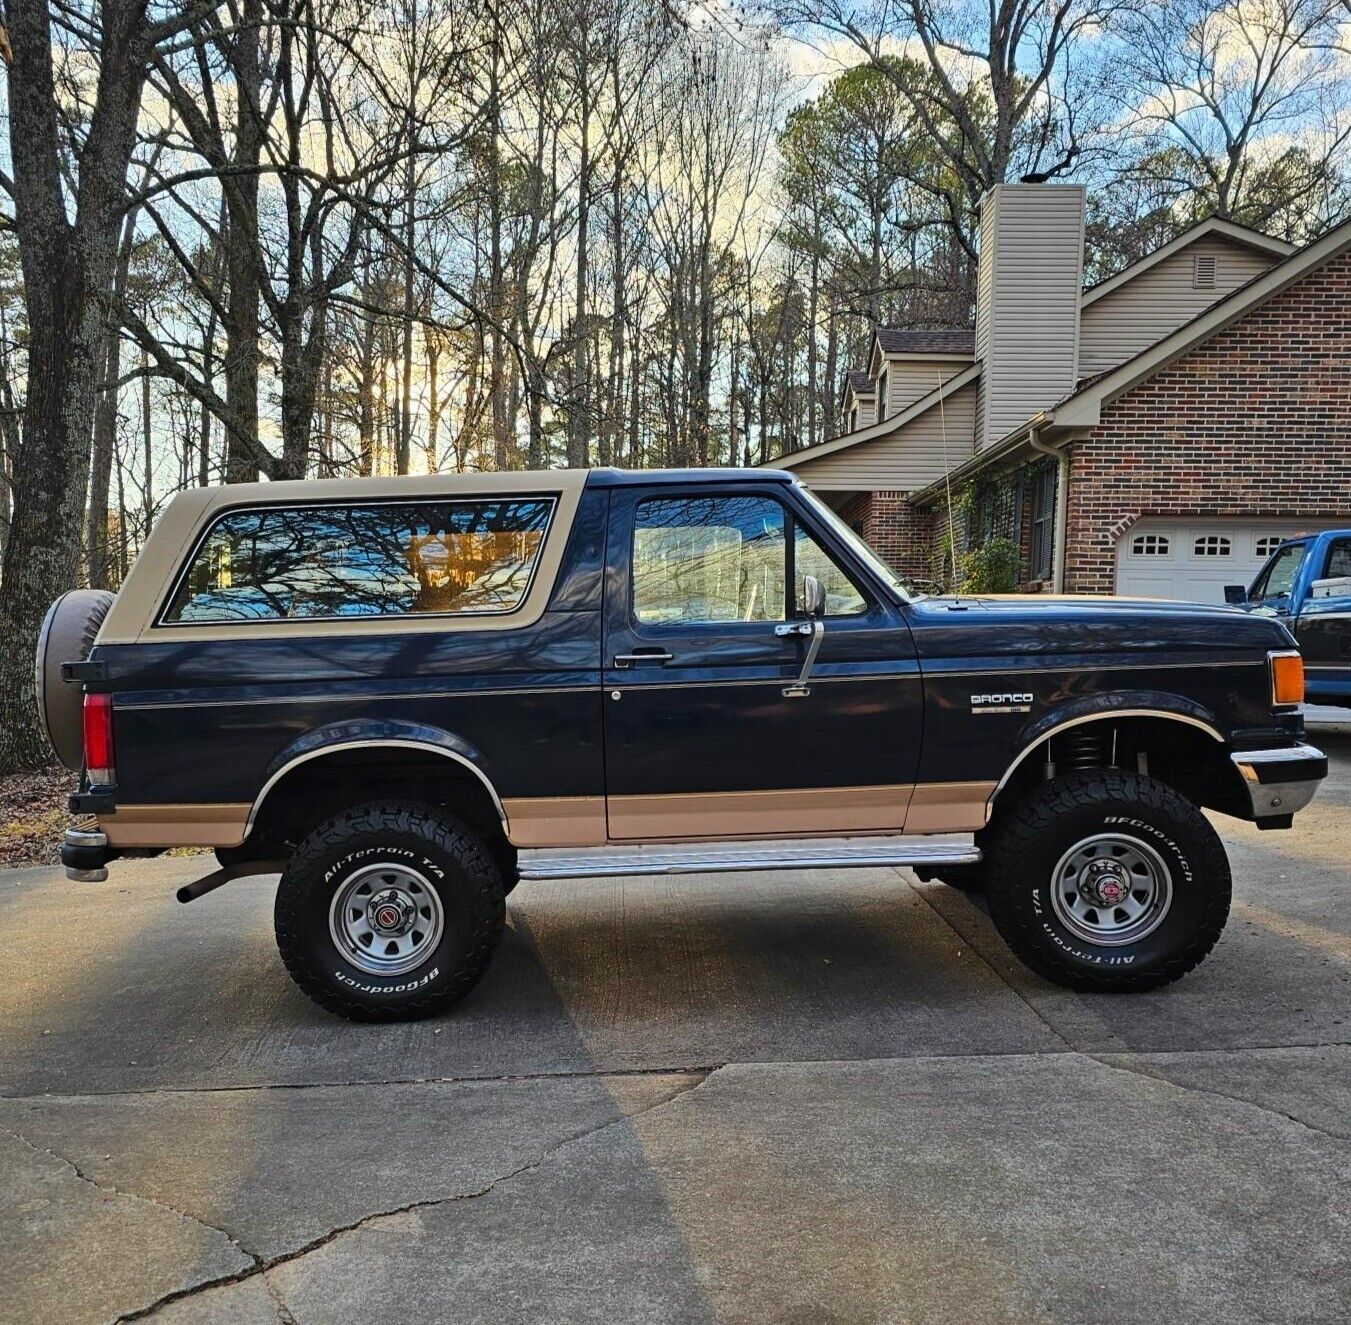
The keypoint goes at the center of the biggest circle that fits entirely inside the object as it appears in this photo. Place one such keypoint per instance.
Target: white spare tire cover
(68, 633)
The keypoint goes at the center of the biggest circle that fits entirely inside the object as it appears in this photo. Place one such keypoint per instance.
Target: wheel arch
(1189, 737)
(374, 759)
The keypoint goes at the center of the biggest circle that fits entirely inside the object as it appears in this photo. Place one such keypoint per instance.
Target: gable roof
(860, 382)
(956, 341)
(1212, 227)
(1082, 407)
(885, 427)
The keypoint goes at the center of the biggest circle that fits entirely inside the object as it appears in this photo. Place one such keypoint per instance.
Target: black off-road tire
(1033, 837)
(445, 854)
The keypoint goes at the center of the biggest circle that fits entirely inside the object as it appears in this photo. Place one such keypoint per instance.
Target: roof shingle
(942, 340)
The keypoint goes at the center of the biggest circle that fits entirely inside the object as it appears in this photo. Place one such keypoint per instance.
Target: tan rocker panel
(207, 825)
(555, 821)
(947, 807)
(176, 534)
(580, 821)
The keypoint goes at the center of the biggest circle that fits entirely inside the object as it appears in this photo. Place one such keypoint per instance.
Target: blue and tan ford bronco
(407, 695)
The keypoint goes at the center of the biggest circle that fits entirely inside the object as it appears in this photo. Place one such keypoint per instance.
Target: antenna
(947, 484)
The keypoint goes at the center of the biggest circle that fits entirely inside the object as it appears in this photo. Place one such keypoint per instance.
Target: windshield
(1278, 578)
(859, 548)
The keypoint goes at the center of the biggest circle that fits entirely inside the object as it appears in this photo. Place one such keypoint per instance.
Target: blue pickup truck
(1306, 583)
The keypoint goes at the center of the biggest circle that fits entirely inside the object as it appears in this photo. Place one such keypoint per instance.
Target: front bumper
(85, 854)
(1280, 782)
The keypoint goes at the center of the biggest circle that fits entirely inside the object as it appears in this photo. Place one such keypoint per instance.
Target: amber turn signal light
(1287, 678)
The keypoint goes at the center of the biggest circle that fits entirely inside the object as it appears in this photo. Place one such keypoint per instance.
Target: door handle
(640, 656)
(816, 631)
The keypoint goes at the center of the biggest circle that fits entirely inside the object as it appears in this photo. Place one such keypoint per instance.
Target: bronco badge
(1010, 703)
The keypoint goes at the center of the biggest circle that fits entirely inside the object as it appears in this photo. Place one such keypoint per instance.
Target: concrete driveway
(783, 1098)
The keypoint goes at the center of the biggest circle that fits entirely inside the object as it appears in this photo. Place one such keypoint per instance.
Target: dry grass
(33, 815)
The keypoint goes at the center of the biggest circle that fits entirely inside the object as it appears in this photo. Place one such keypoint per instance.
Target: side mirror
(1235, 593)
(813, 597)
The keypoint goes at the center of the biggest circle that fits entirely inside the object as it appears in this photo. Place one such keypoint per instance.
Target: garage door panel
(1193, 560)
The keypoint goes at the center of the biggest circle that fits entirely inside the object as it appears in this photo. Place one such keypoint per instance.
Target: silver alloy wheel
(1111, 889)
(386, 919)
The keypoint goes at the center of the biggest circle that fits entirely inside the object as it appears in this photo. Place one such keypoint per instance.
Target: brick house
(1154, 434)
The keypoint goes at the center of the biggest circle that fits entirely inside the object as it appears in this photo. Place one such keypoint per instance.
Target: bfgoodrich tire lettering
(1039, 835)
(416, 841)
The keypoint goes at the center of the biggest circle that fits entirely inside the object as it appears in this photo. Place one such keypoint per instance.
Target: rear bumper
(1280, 782)
(85, 854)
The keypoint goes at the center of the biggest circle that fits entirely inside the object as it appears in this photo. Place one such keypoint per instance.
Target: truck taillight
(1287, 678)
(99, 760)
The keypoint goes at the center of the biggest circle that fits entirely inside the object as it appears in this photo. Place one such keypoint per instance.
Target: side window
(713, 558)
(1279, 576)
(810, 558)
(393, 559)
(1339, 559)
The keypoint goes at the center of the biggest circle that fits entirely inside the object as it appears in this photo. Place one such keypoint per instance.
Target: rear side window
(1339, 559)
(391, 559)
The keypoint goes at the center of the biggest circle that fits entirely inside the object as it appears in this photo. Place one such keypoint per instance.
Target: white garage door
(1195, 560)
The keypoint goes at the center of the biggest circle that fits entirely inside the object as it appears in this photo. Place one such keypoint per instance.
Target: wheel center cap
(390, 912)
(1105, 883)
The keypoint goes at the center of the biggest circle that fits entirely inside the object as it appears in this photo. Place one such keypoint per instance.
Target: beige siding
(1028, 292)
(910, 458)
(865, 414)
(909, 380)
(1144, 310)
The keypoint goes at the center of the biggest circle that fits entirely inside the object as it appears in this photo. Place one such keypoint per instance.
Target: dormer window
(882, 395)
(1203, 271)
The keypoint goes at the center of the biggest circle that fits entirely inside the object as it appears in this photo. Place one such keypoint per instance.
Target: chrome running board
(610, 862)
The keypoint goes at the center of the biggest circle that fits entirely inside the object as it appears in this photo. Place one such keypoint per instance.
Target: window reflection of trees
(709, 559)
(336, 561)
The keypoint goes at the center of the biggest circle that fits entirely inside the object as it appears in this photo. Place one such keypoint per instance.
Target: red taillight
(99, 760)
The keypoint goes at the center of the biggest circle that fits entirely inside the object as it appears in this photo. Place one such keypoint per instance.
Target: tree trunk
(147, 448)
(245, 281)
(433, 400)
(579, 417)
(68, 272)
(496, 300)
(405, 435)
(105, 425)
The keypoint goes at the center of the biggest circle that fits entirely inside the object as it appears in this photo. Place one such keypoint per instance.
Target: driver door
(704, 737)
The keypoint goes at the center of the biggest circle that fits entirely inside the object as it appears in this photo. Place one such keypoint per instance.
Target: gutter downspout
(1060, 522)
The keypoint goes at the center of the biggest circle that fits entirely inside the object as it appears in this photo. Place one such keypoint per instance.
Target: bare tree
(1005, 89)
(68, 188)
(1240, 110)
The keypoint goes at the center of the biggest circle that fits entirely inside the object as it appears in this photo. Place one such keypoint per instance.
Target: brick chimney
(1027, 301)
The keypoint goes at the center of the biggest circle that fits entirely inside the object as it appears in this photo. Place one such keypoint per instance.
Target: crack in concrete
(684, 1069)
(263, 1267)
(673, 1070)
(284, 1316)
(109, 1190)
(1136, 1068)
